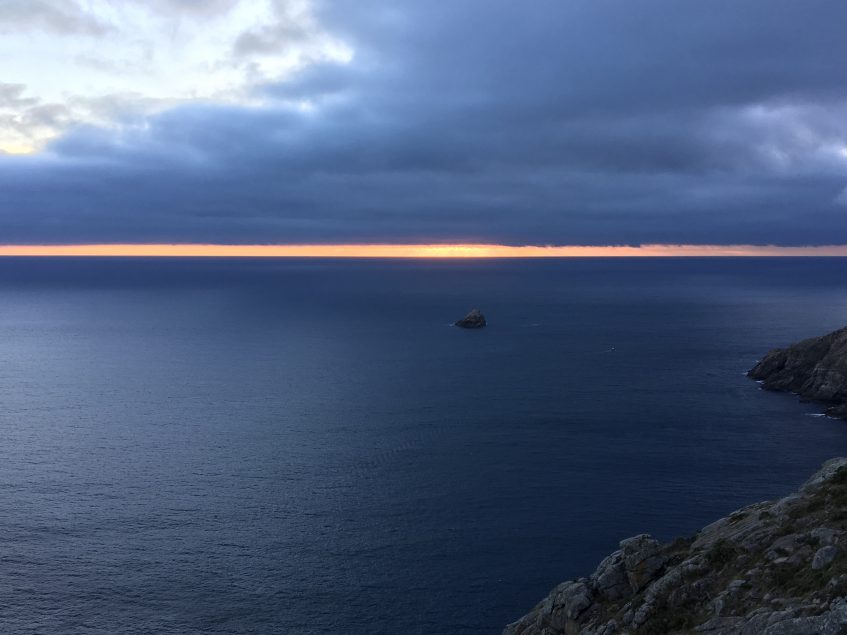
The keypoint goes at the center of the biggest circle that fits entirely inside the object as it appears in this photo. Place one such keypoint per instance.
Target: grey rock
(837, 583)
(801, 556)
(824, 557)
(832, 622)
(720, 603)
(573, 599)
(719, 625)
(610, 628)
(473, 320)
(785, 545)
(746, 529)
(814, 369)
(610, 580)
(557, 613)
(642, 615)
(826, 474)
(824, 535)
(661, 591)
(746, 574)
(643, 559)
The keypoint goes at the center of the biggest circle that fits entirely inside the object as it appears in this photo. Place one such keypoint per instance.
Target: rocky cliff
(815, 369)
(773, 568)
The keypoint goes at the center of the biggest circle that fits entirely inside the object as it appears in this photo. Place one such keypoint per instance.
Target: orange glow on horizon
(415, 251)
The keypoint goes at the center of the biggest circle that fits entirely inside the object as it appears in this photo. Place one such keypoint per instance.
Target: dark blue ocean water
(289, 446)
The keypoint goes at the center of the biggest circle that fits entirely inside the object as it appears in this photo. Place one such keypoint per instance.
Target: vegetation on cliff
(774, 568)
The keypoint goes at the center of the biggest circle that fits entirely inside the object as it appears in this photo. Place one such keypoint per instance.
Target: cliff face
(774, 568)
(814, 369)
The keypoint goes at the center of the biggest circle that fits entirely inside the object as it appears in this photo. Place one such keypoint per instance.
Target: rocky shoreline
(773, 568)
(815, 369)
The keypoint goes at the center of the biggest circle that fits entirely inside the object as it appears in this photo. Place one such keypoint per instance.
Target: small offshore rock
(473, 320)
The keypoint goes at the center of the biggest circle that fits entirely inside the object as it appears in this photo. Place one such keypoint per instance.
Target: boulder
(610, 580)
(642, 559)
(824, 557)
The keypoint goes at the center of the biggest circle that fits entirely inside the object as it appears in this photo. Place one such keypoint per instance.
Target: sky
(553, 122)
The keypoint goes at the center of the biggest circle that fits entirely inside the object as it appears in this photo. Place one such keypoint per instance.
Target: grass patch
(721, 554)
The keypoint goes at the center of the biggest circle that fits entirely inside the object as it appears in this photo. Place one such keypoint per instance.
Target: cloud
(477, 120)
(64, 17)
(205, 8)
(12, 96)
(292, 22)
(23, 117)
(157, 53)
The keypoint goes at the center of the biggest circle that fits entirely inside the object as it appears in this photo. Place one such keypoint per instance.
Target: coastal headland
(815, 369)
(772, 568)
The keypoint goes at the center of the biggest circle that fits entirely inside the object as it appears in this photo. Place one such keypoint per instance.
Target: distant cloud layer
(553, 122)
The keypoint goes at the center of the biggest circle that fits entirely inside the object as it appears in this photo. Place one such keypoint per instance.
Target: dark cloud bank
(550, 122)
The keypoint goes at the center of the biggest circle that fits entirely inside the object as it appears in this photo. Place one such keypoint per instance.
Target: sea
(309, 445)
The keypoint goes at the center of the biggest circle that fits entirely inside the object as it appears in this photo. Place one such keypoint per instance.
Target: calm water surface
(289, 446)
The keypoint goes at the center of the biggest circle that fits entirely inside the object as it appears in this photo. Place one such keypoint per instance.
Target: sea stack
(814, 369)
(473, 320)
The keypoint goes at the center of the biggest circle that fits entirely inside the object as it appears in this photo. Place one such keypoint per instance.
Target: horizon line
(411, 250)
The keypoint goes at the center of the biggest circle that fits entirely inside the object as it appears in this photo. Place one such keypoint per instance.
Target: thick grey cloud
(587, 121)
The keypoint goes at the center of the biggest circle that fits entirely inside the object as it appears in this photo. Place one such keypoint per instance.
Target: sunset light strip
(415, 251)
